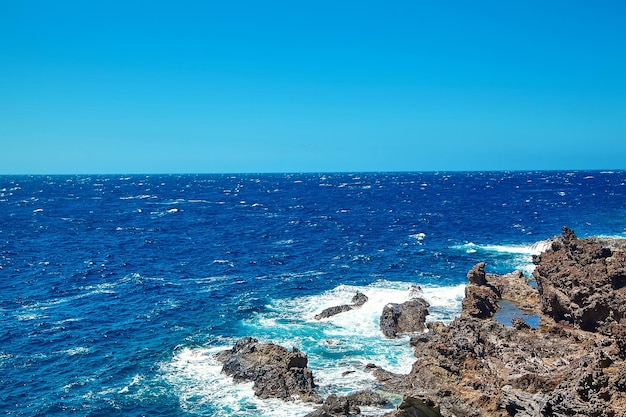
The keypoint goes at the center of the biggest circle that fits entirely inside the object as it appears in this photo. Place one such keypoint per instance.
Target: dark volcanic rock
(335, 406)
(573, 367)
(357, 301)
(414, 407)
(408, 317)
(481, 298)
(275, 371)
(333, 311)
(480, 301)
(484, 291)
(582, 282)
(477, 275)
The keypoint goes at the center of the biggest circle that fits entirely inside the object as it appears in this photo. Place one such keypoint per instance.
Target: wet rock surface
(276, 371)
(357, 301)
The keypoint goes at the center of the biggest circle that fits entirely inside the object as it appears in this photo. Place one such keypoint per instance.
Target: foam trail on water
(340, 347)
(534, 249)
(517, 256)
(196, 378)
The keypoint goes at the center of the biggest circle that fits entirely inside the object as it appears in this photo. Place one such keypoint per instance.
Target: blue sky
(302, 86)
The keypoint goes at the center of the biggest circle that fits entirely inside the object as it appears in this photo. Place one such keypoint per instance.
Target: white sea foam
(338, 348)
(471, 247)
(196, 378)
(521, 254)
(79, 350)
(418, 236)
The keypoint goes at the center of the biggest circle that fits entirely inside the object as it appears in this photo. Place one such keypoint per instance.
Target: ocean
(115, 291)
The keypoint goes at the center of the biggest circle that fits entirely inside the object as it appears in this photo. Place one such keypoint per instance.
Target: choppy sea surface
(115, 291)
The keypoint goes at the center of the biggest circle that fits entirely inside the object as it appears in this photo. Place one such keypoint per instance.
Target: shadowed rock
(477, 275)
(481, 298)
(415, 407)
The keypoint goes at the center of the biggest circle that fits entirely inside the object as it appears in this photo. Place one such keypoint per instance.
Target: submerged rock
(275, 371)
(357, 301)
(333, 311)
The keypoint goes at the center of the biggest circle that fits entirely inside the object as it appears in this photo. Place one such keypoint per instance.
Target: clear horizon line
(598, 170)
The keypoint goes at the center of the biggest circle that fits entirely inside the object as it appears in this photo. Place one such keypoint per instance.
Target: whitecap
(340, 347)
(79, 350)
(196, 379)
(532, 249)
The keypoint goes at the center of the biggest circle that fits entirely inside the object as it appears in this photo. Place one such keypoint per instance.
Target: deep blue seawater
(116, 290)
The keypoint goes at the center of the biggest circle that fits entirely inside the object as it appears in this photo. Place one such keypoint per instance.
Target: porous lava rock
(572, 365)
(349, 405)
(276, 371)
(481, 298)
(407, 317)
(416, 407)
(357, 301)
(582, 282)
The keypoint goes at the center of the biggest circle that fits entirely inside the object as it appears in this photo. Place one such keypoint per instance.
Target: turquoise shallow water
(116, 290)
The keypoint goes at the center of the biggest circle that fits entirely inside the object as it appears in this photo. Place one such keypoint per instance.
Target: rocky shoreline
(572, 363)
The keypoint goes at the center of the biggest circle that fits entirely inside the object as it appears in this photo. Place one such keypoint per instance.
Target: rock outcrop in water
(408, 317)
(276, 371)
(572, 365)
(357, 301)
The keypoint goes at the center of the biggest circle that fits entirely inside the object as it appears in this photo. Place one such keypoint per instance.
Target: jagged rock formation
(582, 282)
(357, 301)
(408, 317)
(572, 367)
(481, 298)
(414, 407)
(337, 406)
(484, 291)
(574, 364)
(275, 371)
